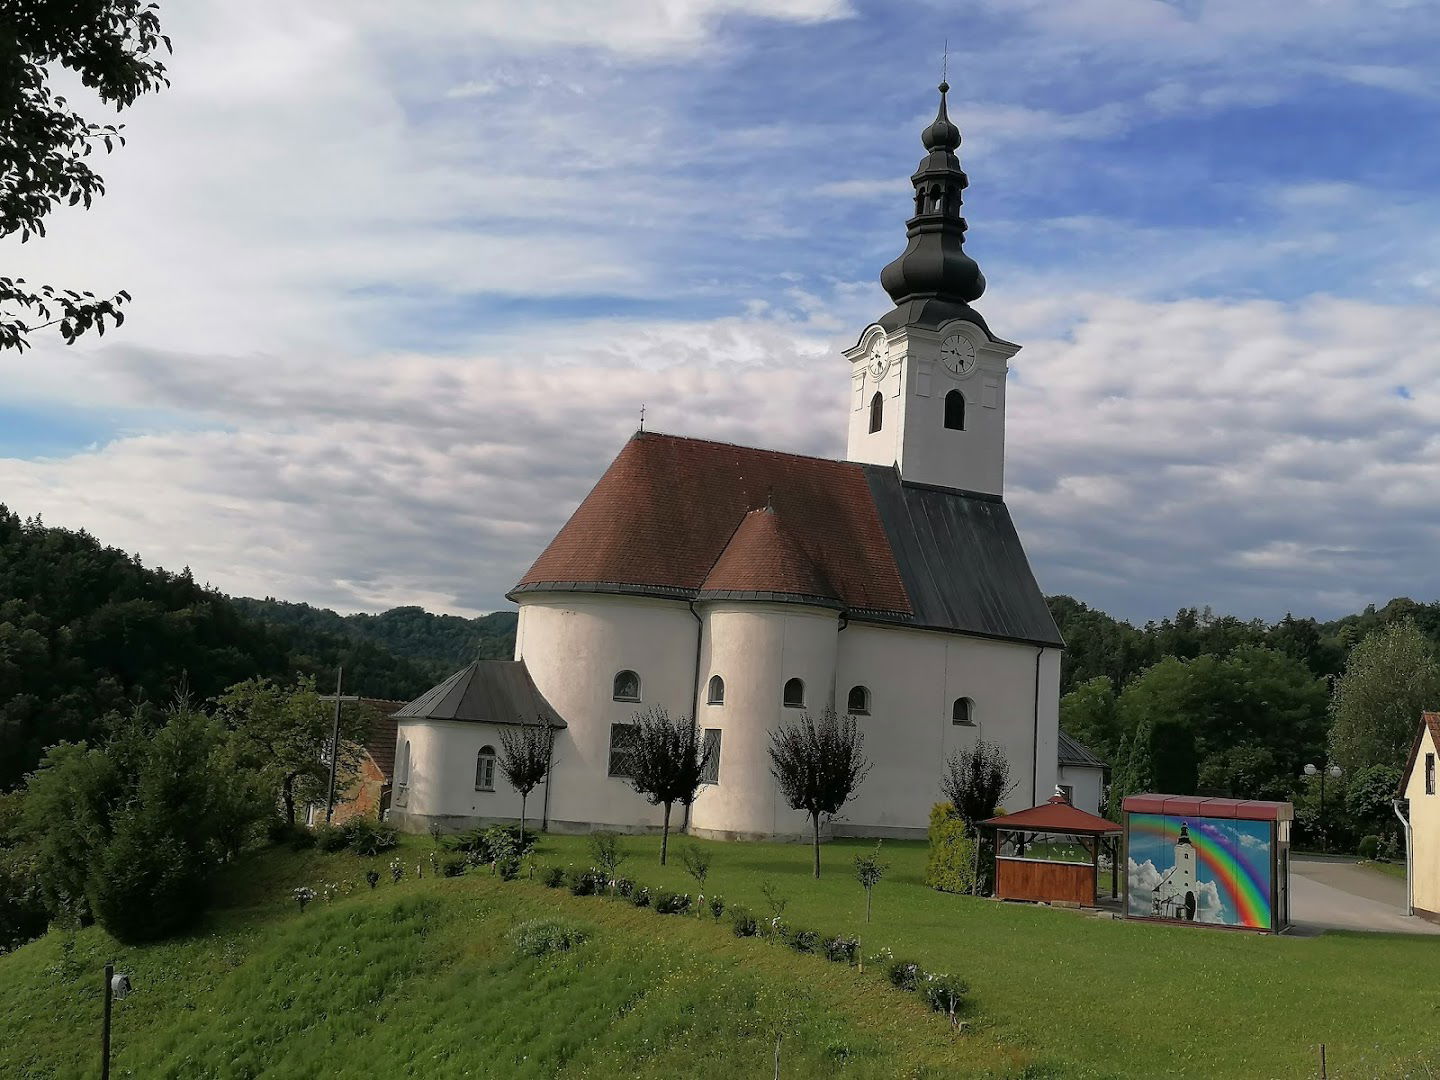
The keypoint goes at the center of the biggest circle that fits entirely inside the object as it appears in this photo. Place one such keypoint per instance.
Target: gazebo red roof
(1055, 816)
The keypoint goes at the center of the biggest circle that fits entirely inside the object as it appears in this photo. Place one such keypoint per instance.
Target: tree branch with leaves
(818, 765)
(525, 759)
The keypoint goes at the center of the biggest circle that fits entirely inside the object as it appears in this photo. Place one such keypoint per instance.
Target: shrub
(372, 878)
(624, 888)
(950, 866)
(452, 865)
(743, 923)
(331, 839)
(367, 837)
(803, 941)
(585, 882)
(640, 897)
(472, 842)
(841, 950)
(295, 837)
(717, 906)
(302, 895)
(671, 903)
(1369, 847)
(541, 936)
(606, 852)
(553, 877)
(943, 993)
(508, 869)
(904, 974)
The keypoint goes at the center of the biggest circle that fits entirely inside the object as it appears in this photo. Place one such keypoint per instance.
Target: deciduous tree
(818, 765)
(1389, 679)
(667, 761)
(114, 47)
(525, 759)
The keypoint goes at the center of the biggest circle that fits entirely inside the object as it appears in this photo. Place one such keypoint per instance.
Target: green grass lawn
(416, 979)
(1389, 869)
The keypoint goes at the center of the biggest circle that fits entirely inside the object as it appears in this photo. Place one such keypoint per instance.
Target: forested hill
(440, 643)
(88, 631)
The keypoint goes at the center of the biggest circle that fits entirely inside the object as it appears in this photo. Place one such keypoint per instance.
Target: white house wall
(1085, 782)
(443, 757)
(1425, 833)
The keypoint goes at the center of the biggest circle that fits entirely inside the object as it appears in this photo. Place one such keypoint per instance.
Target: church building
(745, 586)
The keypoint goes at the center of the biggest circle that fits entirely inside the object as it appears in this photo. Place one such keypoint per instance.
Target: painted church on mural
(746, 586)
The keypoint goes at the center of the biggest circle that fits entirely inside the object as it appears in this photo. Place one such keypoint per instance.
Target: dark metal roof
(1073, 752)
(961, 561)
(489, 691)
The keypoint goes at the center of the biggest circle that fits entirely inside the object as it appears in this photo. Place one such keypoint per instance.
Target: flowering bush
(841, 950)
(303, 894)
(640, 897)
(372, 878)
(586, 882)
(717, 906)
(397, 870)
(904, 974)
(624, 888)
(670, 903)
(944, 993)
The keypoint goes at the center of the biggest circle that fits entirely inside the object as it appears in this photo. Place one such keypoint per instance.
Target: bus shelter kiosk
(1051, 853)
(1217, 862)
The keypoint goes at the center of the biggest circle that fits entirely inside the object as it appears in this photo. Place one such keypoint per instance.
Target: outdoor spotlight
(119, 985)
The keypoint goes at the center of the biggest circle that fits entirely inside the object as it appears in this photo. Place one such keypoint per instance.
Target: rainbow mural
(1226, 880)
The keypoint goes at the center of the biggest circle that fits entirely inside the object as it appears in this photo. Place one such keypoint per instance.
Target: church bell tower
(928, 378)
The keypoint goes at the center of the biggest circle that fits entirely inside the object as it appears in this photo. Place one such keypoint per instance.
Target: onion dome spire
(934, 264)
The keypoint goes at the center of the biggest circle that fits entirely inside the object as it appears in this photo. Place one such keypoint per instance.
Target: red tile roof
(380, 739)
(1429, 721)
(664, 513)
(762, 557)
(1055, 816)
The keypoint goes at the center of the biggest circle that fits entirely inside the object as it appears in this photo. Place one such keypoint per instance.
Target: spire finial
(945, 67)
(642, 416)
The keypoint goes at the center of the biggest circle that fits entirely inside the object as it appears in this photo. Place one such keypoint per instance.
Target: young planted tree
(607, 854)
(818, 765)
(696, 861)
(525, 760)
(667, 760)
(113, 47)
(868, 871)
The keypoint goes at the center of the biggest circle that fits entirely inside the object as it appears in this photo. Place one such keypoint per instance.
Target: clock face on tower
(957, 354)
(879, 361)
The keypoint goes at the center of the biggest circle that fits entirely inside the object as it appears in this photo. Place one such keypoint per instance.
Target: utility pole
(337, 698)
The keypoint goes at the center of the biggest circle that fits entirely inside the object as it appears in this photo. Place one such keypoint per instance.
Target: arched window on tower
(877, 412)
(794, 694)
(485, 769)
(919, 201)
(858, 703)
(963, 712)
(627, 686)
(402, 774)
(955, 410)
(715, 695)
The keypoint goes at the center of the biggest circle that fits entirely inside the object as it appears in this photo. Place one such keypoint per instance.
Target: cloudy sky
(404, 274)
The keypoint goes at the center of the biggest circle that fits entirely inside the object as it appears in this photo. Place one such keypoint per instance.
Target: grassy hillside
(417, 979)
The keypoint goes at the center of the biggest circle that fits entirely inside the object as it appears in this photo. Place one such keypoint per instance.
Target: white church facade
(745, 586)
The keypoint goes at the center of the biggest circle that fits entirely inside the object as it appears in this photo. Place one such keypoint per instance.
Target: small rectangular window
(1069, 792)
(1429, 774)
(622, 742)
(711, 774)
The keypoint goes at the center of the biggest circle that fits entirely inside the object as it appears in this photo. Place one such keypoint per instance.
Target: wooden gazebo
(1028, 866)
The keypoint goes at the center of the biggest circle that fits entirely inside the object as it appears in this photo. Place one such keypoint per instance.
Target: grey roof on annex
(488, 691)
(1073, 752)
(961, 561)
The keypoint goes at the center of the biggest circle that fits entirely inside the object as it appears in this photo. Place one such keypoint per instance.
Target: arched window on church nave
(877, 412)
(794, 697)
(715, 695)
(627, 686)
(858, 703)
(955, 410)
(963, 712)
(485, 769)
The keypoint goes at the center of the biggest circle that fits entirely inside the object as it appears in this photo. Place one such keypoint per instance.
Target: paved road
(1331, 894)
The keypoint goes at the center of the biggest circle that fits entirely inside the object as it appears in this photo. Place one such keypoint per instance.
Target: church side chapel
(745, 586)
